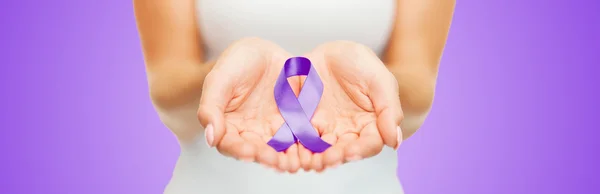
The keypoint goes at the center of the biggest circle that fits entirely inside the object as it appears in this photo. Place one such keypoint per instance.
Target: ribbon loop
(297, 112)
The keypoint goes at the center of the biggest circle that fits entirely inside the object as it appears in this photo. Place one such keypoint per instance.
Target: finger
(265, 155)
(305, 157)
(317, 162)
(293, 159)
(216, 94)
(368, 144)
(384, 95)
(233, 145)
(283, 162)
(334, 156)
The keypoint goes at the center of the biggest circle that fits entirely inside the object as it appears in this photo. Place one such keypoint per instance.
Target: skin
(241, 116)
(414, 53)
(176, 75)
(236, 108)
(359, 111)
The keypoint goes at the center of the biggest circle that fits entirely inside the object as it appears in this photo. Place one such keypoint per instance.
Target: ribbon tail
(283, 139)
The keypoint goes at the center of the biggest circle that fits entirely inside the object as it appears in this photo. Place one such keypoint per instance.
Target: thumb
(384, 94)
(216, 93)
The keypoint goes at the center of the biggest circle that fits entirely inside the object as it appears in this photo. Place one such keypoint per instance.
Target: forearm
(172, 49)
(175, 89)
(414, 53)
(173, 85)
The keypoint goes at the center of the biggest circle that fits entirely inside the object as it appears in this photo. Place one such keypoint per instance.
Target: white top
(297, 26)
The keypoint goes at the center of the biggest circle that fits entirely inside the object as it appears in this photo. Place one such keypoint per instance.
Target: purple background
(514, 111)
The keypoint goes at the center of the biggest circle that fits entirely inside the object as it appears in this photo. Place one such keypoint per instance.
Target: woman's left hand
(359, 111)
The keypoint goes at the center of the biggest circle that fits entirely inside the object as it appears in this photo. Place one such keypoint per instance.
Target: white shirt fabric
(297, 26)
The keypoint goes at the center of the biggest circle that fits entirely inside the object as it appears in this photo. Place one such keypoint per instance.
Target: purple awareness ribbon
(297, 112)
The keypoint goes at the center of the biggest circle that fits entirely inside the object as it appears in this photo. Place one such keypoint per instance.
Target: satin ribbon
(297, 112)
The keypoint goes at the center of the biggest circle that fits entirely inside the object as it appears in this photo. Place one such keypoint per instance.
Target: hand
(360, 108)
(238, 108)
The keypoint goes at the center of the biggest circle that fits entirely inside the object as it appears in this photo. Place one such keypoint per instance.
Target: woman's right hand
(237, 106)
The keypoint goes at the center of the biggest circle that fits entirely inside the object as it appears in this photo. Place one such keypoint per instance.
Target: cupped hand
(359, 111)
(237, 105)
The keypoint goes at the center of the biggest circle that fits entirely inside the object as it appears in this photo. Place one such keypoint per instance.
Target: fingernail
(399, 136)
(209, 135)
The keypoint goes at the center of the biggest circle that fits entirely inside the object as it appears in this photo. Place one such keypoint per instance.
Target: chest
(296, 25)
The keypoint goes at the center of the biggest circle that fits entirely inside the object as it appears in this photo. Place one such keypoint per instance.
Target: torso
(298, 26)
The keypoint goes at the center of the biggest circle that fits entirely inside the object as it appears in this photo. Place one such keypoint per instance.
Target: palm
(238, 103)
(343, 111)
(249, 110)
(346, 116)
(242, 84)
(343, 115)
(346, 110)
(252, 115)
